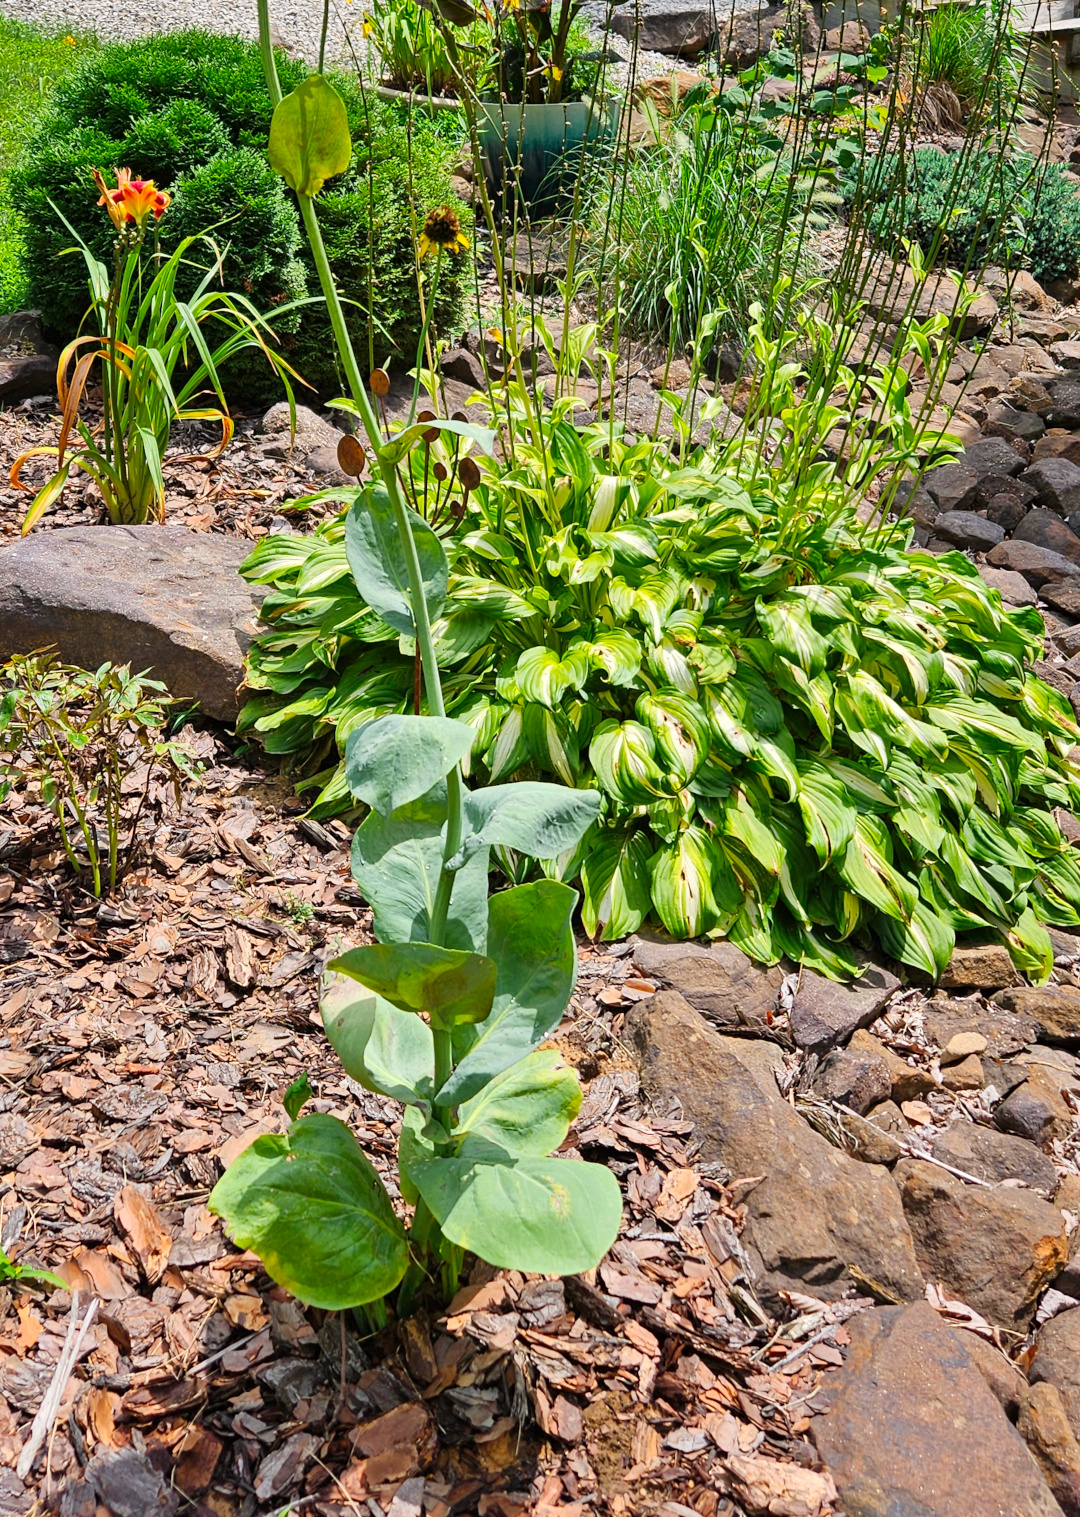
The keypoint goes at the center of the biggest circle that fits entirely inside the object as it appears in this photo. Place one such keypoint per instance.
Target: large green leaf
(377, 559)
(615, 883)
(397, 862)
(382, 1049)
(531, 939)
(681, 730)
(623, 754)
(543, 1216)
(397, 759)
(315, 1211)
(827, 812)
(309, 136)
(682, 888)
(536, 819)
(527, 1110)
(451, 986)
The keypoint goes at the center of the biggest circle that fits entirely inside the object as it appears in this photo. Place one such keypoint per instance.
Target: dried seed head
(469, 473)
(351, 457)
(380, 382)
(439, 472)
(425, 416)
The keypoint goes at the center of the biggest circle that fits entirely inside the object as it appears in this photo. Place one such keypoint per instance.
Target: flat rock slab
(158, 598)
(817, 1211)
(913, 1430)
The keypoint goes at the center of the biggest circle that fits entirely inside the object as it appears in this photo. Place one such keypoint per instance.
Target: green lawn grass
(32, 59)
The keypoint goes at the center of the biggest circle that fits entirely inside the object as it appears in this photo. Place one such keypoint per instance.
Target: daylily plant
(146, 333)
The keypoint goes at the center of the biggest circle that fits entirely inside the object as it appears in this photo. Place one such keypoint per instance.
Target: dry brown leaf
(30, 1327)
(139, 1218)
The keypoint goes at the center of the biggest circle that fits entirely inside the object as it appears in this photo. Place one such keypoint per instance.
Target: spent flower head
(133, 200)
(442, 233)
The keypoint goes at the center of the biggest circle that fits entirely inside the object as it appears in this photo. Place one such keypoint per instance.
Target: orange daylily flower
(132, 199)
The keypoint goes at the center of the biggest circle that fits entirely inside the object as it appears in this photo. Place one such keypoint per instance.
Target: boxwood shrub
(987, 208)
(190, 110)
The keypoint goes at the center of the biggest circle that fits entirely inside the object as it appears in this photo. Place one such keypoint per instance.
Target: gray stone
(1029, 1112)
(995, 1156)
(1005, 421)
(817, 1211)
(993, 456)
(856, 1078)
(1057, 482)
(717, 979)
(21, 330)
(826, 1012)
(311, 429)
(1057, 1361)
(1064, 407)
(1013, 588)
(1006, 1033)
(157, 598)
(913, 1430)
(1006, 510)
(952, 487)
(967, 530)
(1038, 565)
(891, 293)
(29, 374)
(995, 1249)
(684, 31)
(462, 365)
(323, 461)
(907, 1082)
(1047, 530)
(746, 37)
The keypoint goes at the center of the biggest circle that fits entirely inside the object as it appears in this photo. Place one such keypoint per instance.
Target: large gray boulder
(162, 599)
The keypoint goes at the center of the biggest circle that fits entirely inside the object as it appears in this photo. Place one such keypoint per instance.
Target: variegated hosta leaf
(623, 756)
(545, 677)
(615, 880)
(681, 731)
(682, 886)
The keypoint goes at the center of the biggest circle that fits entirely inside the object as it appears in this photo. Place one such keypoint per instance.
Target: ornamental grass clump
(146, 337)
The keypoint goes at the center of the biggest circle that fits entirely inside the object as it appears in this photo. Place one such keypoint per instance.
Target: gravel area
(297, 22)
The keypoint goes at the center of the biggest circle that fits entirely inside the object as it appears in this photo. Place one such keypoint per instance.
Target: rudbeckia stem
(362, 401)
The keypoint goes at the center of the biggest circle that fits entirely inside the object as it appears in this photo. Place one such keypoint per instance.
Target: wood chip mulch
(145, 1040)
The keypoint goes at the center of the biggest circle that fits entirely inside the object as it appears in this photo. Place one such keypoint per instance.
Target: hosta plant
(804, 735)
(446, 1012)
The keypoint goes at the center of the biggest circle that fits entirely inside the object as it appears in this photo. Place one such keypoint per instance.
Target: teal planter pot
(539, 147)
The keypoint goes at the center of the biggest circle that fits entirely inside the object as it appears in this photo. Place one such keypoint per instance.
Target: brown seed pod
(469, 473)
(439, 472)
(425, 415)
(379, 382)
(459, 416)
(351, 457)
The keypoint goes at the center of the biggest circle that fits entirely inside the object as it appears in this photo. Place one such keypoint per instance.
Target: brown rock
(718, 980)
(869, 1142)
(1054, 1008)
(1057, 1361)
(966, 1075)
(818, 1211)
(1047, 530)
(907, 1081)
(854, 1077)
(1003, 1377)
(995, 1249)
(1044, 1427)
(1038, 565)
(1013, 588)
(826, 1013)
(1035, 1110)
(986, 966)
(1058, 444)
(994, 1156)
(912, 1429)
(1005, 1032)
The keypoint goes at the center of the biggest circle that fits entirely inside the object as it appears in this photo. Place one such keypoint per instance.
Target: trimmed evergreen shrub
(190, 110)
(988, 209)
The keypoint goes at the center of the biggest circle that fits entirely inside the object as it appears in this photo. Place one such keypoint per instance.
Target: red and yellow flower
(133, 200)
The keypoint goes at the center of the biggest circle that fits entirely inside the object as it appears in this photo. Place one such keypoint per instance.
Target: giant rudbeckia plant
(156, 365)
